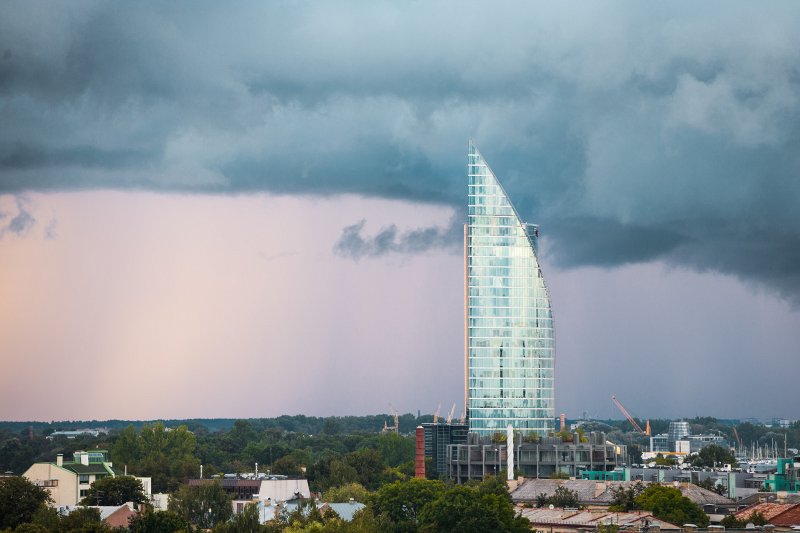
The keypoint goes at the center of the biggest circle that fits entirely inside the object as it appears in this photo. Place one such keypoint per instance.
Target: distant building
(74, 433)
(438, 437)
(786, 477)
(270, 511)
(782, 423)
(679, 439)
(698, 442)
(677, 431)
(548, 456)
(69, 482)
(272, 489)
(659, 443)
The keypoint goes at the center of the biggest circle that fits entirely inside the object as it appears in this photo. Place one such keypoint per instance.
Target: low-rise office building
(541, 459)
(440, 435)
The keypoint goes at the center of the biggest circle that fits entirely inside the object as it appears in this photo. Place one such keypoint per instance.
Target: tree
(84, 520)
(564, 497)
(16, 455)
(669, 460)
(159, 522)
(542, 500)
(755, 518)
(343, 493)
(625, 497)
(127, 448)
(287, 466)
(395, 449)
(115, 491)
(368, 466)
(29, 527)
(667, 503)
(245, 522)
(469, 510)
(402, 501)
(495, 485)
(203, 505)
(713, 455)
(19, 500)
(709, 484)
(46, 517)
(165, 455)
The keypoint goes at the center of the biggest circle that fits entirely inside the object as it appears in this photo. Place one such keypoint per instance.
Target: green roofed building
(69, 481)
(510, 346)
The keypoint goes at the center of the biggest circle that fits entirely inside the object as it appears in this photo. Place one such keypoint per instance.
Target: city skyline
(198, 199)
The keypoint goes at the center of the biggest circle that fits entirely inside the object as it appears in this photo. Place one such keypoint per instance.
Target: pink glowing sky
(141, 305)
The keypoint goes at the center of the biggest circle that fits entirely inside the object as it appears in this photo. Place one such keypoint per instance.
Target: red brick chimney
(419, 459)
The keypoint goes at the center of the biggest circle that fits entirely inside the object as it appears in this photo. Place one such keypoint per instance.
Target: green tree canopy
(19, 500)
(625, 497)
(84, 520)
(402, 501)
(245, 522)
(667, 503)
(115, 491)
(343, 493)
(564, 497)
(713, 455)
(204, 505)
(467, 509)
(159, 522)
(166, 455)
(755, 518)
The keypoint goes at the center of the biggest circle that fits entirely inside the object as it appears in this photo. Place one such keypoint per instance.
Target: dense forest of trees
(331, 448)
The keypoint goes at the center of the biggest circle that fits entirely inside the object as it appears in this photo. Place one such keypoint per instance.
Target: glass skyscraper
(510, 347)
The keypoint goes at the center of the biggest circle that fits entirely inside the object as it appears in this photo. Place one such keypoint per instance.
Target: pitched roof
(588, 519)
(779, 514)
(344, 510)
(602, 492)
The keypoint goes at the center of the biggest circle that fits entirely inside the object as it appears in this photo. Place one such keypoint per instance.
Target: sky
(254, 209)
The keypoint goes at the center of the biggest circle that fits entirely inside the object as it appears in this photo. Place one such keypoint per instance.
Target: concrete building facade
(542, 459)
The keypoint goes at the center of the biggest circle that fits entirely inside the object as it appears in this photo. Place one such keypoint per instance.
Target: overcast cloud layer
(631, 131)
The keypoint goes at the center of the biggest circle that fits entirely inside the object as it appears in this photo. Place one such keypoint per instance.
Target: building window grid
(500, 251)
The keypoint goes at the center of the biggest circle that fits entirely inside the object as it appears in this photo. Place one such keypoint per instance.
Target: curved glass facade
(510, 343)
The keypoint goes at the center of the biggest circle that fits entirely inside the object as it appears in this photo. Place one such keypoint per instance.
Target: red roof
(779, 514)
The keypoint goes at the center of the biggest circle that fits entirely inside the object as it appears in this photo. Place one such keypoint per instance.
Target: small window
(83, 478)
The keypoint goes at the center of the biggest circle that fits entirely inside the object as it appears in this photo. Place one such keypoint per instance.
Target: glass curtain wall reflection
(510, 342)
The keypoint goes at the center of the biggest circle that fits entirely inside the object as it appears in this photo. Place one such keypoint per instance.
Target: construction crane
(396, 416)
(449, 418)
(436, 414)
(738, 439)
(630, 418)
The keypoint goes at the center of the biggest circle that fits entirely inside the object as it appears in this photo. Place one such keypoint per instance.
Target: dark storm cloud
(354, 244)
(630, 132)
(19, 222)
